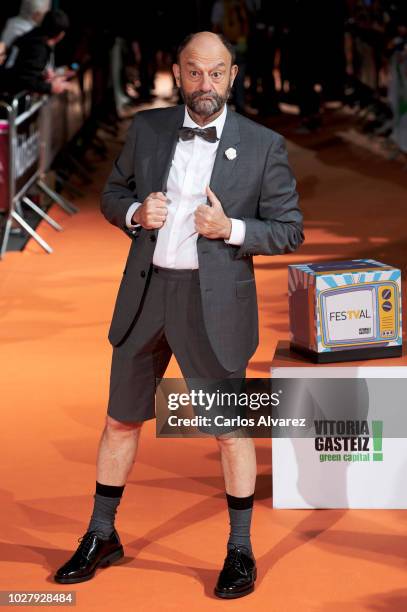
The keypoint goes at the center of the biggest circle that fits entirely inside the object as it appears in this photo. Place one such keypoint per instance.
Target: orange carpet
(55, 313)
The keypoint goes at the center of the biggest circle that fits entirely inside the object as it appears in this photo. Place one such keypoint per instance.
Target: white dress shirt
(188, 178)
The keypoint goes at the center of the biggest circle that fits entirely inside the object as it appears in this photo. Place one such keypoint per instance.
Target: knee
(227, 442)
(112, 426)
(234, 442)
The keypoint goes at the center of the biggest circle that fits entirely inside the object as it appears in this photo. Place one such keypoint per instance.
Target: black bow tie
(209, 133)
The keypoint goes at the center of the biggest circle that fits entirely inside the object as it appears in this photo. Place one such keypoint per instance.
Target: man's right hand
(59, 85)
(153, 211)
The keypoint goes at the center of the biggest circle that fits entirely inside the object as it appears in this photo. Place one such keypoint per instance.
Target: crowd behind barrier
(34, 130)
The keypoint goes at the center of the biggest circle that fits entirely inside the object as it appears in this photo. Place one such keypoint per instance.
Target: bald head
(206, 44)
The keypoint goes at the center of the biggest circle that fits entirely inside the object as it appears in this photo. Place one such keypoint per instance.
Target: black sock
(107, 498)
(240, 515)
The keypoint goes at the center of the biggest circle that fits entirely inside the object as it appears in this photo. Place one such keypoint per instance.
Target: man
(31, 14)
(28, 62)
(188, 287)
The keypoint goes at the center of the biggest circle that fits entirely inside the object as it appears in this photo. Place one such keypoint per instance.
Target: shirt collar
(219, 122)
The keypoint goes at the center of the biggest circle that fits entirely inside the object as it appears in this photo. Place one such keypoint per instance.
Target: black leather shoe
(93, 552)
(237, 576)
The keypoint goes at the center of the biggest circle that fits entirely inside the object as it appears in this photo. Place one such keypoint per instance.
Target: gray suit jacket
(257, 186)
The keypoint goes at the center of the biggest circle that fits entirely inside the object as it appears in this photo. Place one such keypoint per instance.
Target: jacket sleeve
(120, 190)
(278, 227)
(29, 69)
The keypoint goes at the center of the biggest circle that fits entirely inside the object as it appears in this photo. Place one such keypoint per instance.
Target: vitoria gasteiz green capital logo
(350, 441)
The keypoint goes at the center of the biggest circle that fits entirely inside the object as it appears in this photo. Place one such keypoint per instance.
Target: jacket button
(153, 238)
(142, 274)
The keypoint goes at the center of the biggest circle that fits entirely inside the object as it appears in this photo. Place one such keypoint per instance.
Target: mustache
(200, 94)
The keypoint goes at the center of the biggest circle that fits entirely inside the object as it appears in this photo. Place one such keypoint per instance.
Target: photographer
(28, 63)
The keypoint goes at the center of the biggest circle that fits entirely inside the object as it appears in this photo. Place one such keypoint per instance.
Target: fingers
(157, 214)
(158, 195)
(202, 210)
(210, 220)
(200, 227)
(206, 213)
(205, 229)
(153, 223)
(154, 211)
(203, 217)
(156, 202)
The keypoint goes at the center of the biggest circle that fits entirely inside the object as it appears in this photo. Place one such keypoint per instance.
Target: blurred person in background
(305, 36)
(231, 18)
(316, 34)
(263, 44)
(148, 30)
(2, 52)
(397, 90)
(29, 61)
(150, 55)
(31, 14)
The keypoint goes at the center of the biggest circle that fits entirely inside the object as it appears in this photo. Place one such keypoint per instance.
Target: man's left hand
(211, 221)
(49, 74)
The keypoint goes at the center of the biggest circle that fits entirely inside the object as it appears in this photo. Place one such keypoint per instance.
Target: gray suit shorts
(169, 321)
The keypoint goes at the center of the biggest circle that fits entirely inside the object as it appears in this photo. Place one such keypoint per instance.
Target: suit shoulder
(32, 38)
(160, 116)
(261, 133)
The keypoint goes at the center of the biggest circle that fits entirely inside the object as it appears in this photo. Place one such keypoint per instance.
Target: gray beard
(205, 108)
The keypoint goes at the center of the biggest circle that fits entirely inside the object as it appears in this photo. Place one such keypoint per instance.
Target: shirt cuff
(238, 232)
(129, 215)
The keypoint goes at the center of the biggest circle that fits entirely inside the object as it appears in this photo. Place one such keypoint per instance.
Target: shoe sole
(234, 595)
(104, 562)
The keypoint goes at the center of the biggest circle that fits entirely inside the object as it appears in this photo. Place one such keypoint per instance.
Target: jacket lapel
(223, 167)
(166, 142)
(167, 139)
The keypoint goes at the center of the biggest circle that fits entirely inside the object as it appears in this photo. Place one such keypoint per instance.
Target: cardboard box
(345, 310)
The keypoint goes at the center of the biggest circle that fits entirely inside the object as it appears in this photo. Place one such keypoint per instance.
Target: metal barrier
(64, 115)
(21, 152)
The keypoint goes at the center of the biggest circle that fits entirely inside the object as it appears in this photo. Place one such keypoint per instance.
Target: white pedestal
(302, 480)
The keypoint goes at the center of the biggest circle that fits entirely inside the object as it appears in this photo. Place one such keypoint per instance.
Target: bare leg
(101, 544)
(117, 451)
(238, 458)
